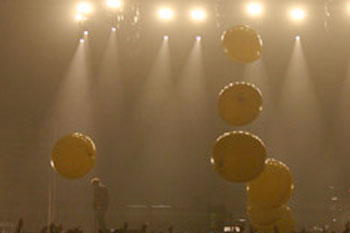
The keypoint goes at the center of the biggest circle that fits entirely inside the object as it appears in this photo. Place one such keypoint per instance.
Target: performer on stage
(100, 204)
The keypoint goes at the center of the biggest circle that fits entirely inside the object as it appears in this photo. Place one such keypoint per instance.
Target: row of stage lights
(198, 15)
(85, 8)
(254, 9)
(165, 37)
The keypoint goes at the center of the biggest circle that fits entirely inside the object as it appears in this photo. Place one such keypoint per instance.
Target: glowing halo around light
(198, 15)
(166, 13)
(84, 7)
(79, 17)
(254, 8)
(297, 14)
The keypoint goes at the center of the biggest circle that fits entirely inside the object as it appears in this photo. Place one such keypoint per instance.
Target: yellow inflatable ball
(264, 217)
(73, 156)
(239, 156)
(242, 44)
(273, 187)
(240, 103)
(286, 224)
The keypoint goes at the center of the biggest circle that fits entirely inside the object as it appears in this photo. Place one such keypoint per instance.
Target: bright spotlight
(114, 29)
(84, 8)
(165, 37)
(198, 38)
(79, 17)
(297, 14)
(254, 8)
(166, 13)
(114, 3)
(297, 37)
(81, 40)
(86, 33)
(198, 14)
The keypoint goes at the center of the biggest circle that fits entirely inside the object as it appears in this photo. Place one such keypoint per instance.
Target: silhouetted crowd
(53, 228)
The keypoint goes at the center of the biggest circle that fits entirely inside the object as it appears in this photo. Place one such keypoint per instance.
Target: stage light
(297, 37)
(165, 37)
(166, 13)
(254, 8)
(297, 14)
(81, 40)
(114, 29)
(86, 33)
(198, 14)
(198, 38)
(84, 8)
(114, 3)
(79, 17)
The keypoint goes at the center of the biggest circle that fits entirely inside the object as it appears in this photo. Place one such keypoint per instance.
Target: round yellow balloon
(239, 156)
(286, 224)
(242, 44)
(264, 217)
(273, 187)
(240, 103)
(73, 156)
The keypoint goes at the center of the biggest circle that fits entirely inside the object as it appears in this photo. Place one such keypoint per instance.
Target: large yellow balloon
(73, 156)
(264, 217)
(239, 156)
(273, 187)
(242, 44)
(286, 224)
(240, 103)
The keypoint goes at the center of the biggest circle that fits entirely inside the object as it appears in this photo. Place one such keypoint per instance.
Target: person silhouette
(100, 203)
